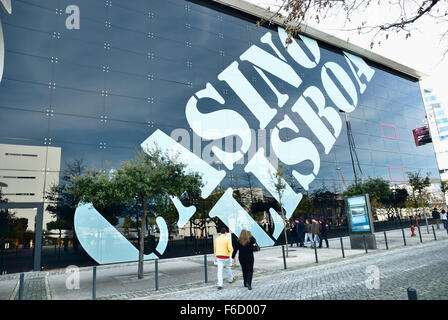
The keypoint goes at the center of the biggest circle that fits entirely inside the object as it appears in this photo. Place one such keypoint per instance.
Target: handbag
(255, 247)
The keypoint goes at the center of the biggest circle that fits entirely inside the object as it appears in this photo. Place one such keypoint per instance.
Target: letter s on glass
(305, 150)
(218, 124)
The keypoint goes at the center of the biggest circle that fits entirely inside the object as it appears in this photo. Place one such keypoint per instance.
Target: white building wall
(29, 171)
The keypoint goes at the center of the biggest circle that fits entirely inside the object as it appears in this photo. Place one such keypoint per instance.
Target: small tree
(280, 186)
(62, 204)
(59, 224)
(444, 188)
(201, 219)
(150, 176)
(418, 184)
(397, 199)
(145, 181)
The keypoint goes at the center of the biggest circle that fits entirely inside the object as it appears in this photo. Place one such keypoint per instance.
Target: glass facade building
(92, 95)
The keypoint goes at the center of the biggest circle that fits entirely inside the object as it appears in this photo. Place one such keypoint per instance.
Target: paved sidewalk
(188, 273)
(423, 268)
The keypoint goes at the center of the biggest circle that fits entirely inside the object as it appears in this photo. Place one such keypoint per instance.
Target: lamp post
(342, 177)
(351, 145)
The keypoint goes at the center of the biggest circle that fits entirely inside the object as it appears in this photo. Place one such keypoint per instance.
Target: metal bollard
(94, 283)
(434, 233)
(385, 238)
(412, 294)
(420, 234)
(315, 252)
(21, 282)
(156, 266)
(284, 258)
(365, 243)
(205, 268)
(404, 238)
(342, 247)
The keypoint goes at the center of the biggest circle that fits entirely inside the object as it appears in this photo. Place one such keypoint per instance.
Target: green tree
(62, 204)
(201, 219)
(378, 190)
(418, 184)
(397, 199)
(306, 207)
(150, 177)
(59, 224)
(324, 199)
(4, 219)
(148, 180)
(10, 226)
(278, 180)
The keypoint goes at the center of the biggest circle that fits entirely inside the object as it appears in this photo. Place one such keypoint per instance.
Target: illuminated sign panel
(358, 214)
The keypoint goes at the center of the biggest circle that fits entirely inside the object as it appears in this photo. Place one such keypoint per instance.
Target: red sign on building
(421, 136)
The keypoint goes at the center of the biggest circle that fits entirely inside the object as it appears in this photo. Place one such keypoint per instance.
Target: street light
(352, 147)
(342, 177)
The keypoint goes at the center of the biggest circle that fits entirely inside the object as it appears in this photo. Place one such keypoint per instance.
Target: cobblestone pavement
(34, 289)
(423, 267)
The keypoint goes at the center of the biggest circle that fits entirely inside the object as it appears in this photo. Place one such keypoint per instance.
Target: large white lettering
(297, 53)
(218, 124)
(363, 69)
(313, 120)
(247, 93)
(295, 151)
(333, 90)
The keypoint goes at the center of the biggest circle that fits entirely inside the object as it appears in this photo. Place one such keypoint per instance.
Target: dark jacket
(435, 214)
(300, 227)
(246, 252)
(308, 228)
(315, 228)
(292, 230)
(323, 228)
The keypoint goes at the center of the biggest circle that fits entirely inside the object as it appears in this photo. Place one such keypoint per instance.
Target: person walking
(323, 229)
(293, 234)
(245, 245)
(308, 235)
(443, 217)
(300, 227)
(314, 232)
(223, 249)
(436, 217)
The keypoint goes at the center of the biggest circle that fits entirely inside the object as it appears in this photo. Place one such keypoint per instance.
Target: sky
(424, 50)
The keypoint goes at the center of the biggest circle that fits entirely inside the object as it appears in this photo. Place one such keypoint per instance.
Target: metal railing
(385, 241)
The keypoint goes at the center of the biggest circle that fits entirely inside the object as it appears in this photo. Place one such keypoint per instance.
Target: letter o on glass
(332, 89)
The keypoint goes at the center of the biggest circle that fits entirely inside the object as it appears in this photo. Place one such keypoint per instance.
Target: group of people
(312, 230)
(440, 216)
(301, 232)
